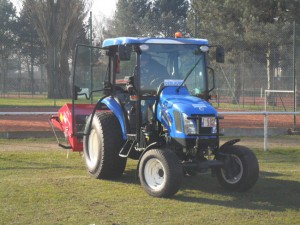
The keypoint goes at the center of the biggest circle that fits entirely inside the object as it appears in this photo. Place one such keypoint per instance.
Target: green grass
(38, 185)
(4, 102)
(39, 102)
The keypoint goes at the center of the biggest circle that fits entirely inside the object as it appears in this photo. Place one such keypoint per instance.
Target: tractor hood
(174, 103)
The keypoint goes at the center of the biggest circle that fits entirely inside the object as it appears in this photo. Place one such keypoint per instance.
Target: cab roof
(134, 40)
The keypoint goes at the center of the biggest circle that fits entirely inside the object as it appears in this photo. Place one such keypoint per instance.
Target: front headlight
(210, 122)
(189, 125)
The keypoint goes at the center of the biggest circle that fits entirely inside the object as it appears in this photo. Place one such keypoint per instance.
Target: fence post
(266, 131)
(218, 97)
(294, 74)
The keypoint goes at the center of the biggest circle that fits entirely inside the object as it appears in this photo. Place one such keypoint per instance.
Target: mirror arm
(88, 97)
(213, 74)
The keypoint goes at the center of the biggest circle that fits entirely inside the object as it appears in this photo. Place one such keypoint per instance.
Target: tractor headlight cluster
(210, 122)
(189, 125)
(198, 124)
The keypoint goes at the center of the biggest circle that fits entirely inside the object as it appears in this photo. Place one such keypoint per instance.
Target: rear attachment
(71, 121)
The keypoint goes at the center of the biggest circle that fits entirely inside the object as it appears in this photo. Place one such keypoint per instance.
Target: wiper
(188, 74)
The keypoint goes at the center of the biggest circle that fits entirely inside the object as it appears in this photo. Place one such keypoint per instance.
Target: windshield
(160, 62)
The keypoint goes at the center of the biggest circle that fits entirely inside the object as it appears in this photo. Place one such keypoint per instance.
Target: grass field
(35, 102)
(38, 185)
(39, 102)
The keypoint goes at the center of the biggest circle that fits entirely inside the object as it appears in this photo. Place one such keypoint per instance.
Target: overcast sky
(104, 7)
(99, 7)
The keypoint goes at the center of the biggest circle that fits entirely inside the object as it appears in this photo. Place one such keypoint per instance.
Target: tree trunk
(3, 73)
(31, 67)
(64, 78)
(237, 85)
(50, 71)
(270, 76)
(58, 74)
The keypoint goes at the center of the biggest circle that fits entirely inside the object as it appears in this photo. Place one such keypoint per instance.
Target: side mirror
(76, 91)
(220, 54)
(107, 88)
(124, 52)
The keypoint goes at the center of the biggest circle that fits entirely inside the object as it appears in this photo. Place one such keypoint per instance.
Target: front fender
(116, 108)
(228, 143)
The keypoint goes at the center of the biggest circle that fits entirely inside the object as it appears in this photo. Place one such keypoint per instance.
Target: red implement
(73, 126)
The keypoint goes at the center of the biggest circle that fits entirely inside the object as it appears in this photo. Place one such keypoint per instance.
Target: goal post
(281, 100)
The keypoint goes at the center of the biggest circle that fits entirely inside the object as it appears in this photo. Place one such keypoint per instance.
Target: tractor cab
(127, 76)
(131, 75)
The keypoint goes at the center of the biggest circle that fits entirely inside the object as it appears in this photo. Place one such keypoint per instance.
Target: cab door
(91, 72)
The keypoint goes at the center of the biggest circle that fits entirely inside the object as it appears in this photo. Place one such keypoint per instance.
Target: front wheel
(160, 172)
(241, 168)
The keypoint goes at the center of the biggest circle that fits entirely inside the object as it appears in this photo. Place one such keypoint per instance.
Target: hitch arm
(56, 137)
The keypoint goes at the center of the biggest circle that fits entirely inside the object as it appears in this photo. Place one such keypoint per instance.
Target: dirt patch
(9, 123)
(24, 123)
(257, 121)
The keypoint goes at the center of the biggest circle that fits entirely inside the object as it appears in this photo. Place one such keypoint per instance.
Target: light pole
(294, 74)
(91, 54)
(54, 58)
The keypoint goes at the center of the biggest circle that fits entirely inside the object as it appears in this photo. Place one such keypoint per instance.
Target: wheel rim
(154, 173)
(93, 149)
(237, 171)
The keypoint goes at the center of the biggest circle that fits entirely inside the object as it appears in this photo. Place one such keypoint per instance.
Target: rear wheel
(102, 146)
(241, 169)
(160, 173)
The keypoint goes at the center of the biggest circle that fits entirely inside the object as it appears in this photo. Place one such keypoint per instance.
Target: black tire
(160, 172)
(102, 146)
(243, 172)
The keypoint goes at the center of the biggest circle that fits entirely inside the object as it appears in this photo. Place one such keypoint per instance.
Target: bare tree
(58, 23)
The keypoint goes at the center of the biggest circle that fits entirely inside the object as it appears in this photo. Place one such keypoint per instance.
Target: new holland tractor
(147, 99)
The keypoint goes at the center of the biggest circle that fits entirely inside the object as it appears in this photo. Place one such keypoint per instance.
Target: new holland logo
(199, 106)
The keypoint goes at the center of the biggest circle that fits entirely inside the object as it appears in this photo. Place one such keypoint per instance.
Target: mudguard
(116, 108)
(228, 143)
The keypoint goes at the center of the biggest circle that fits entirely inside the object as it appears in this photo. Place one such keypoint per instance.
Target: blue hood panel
(182, 102)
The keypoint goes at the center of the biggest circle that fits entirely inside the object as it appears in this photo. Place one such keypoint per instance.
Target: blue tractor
(152, 105)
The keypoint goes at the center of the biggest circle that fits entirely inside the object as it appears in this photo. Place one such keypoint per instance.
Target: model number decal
(173, 82)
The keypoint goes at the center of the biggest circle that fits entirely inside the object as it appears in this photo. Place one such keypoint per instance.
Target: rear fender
(116, 108)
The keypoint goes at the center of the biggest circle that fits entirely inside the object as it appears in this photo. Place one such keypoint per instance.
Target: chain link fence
(241, 82)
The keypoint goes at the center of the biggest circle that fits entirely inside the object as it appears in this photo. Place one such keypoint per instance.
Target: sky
(100, 7)
(104, 7)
